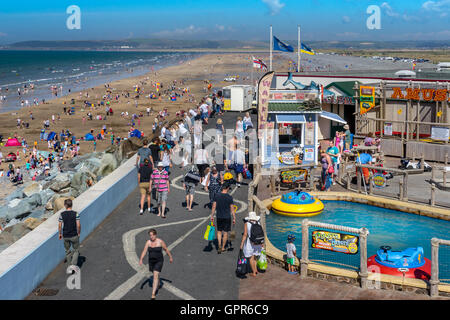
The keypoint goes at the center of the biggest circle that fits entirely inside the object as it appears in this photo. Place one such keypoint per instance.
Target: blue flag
(278, 45)
(308, 50)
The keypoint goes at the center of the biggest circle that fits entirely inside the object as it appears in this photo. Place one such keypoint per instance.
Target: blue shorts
(238, 168)
(204, 115)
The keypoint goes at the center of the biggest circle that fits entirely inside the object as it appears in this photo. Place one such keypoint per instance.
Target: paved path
(112, 251)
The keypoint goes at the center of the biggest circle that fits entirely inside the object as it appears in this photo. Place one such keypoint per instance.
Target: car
(11, 157)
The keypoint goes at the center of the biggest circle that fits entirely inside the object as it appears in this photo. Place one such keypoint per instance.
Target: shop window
(290, 133)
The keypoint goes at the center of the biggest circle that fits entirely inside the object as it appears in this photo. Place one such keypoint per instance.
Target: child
(291, 253)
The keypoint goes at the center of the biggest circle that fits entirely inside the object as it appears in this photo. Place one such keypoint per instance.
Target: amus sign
(421, 94)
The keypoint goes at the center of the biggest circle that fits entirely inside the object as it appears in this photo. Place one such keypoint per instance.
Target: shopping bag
(210, 233)
(241, 265)
(262, 261)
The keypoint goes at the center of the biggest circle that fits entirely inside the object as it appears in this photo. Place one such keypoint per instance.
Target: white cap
(252, 216)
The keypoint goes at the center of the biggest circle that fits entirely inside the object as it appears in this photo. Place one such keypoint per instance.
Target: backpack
(256, 234)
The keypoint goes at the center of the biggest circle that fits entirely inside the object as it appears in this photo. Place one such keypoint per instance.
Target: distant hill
(168, 44)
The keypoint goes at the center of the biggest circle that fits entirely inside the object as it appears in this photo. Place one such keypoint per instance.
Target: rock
(32, 189)
(37, 214)
(49, 205)
(13, 233)
(81, 179)
(14, 203)
(58, 203)
(109, 164)
(34, 201)
(21, 209)
(112, 149)
(32, 223)
(46, 195)
(3, 212)
(57, 185)
(125, 148)
(17, 194)
(138, 143)
(91, 164)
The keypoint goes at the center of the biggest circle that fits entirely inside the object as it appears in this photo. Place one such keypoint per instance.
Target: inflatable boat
(297, 204)
(410, 262)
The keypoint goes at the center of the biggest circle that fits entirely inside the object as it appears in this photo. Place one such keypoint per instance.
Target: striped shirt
(160, 178)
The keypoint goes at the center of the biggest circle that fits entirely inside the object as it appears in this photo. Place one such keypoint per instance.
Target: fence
(440, 264)
(397, 187)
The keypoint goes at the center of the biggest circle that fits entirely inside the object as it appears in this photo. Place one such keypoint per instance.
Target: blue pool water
(387, 227)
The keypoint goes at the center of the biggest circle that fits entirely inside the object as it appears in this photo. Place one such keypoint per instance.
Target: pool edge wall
(389, 282)
(27, 262)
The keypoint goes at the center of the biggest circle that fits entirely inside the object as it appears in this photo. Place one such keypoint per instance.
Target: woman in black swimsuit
(154, 247)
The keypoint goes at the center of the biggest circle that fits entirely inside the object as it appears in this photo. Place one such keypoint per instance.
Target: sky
(225, 20)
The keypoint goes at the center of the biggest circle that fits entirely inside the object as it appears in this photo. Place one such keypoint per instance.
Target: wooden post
(363, 258)
(414, 157)
(305, 246)
(446, 159)
(418, 119)
(358, 175)
(433, 195)
(434, 281)
(370, 185)
(401, 190)
(405, 187)
(444, 178)
(433, 173)
(348, 180)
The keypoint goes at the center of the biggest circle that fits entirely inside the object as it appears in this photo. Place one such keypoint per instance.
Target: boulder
(112, 149)
(3, 213)
(58, 203)
(138, 143)
(125, 148)
(17, 194)
(46, 195)
(34, 201)
(109, 164)
(58, 185)
(91, 164)
(32, 223)
(81, 180)
(13, 233)
(32, 189)
(21, 209)
(37, 214)
(14, 203)
(49, 205)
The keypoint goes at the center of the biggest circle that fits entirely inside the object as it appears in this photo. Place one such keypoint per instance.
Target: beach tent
(13, 143)
(136, 133)
(89, 137)
(51, 136)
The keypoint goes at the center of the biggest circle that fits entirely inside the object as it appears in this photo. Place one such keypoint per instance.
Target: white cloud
(275, 6)
(436, 5)
(388, 9)
(220, 28)
(346, 19)
(393, 14)
(191, 30)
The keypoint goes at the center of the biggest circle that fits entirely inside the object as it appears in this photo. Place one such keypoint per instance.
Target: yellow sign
(227, 104)
(366, 99)
(337, 242)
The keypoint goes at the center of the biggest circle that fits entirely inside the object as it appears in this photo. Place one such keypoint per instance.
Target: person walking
(213, 185)
(144, 153)
(144, 174)
(219, 131)
(69, 229)
(248, 124)
(191, 179)
(251, 250)
(166, 158)
(154, 248)
(223, 208)
(161, 179)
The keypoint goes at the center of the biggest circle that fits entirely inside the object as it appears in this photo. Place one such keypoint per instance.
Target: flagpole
(271, 47)
(299, 50)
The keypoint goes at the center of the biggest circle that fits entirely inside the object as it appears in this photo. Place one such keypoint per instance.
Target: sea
(72, 70)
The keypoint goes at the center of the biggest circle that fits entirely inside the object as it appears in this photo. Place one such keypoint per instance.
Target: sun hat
(228, 176)
(160, 164)
(252, 216)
